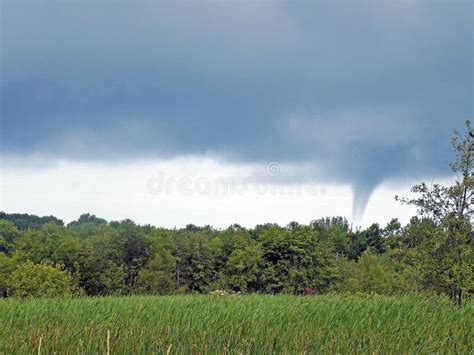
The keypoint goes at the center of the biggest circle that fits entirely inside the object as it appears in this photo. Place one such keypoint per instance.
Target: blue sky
(359, 91)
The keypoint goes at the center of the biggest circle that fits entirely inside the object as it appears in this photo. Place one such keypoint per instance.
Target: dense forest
(433, 253)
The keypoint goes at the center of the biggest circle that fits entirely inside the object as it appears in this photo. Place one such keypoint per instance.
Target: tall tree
(447, 257)
(9, 234)
(158, 275)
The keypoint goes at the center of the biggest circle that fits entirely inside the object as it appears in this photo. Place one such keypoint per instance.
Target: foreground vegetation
(236, 324)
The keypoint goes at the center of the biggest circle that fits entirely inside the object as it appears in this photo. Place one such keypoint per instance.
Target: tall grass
(229, 324)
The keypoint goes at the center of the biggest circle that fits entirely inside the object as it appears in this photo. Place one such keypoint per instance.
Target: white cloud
(122, 190)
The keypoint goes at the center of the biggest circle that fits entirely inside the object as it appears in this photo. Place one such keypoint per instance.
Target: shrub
(40, 280)
(371, 274)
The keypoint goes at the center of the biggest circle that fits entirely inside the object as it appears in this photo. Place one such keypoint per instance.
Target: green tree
(99, 273)
(54, 244)
(335, 230)
(158, 276)
(200, 260)
(87, 225)
(243, 269)
(25, 221)
(391, 233)
(374, 239)
(7, 266)
(132, 247)
(369, 275)
(293, 259)
(452, 210)
(9, 234)
(40, 280)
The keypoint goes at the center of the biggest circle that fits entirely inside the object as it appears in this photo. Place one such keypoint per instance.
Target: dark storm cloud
(365, 90)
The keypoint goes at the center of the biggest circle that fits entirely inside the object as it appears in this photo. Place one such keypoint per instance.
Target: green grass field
(235, 324)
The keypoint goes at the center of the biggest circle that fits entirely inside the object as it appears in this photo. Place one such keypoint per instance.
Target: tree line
(40, 256)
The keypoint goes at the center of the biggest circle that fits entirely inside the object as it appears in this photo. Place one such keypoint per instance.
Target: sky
(344, 104)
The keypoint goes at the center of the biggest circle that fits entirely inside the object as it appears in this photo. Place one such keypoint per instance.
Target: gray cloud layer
(365, 90)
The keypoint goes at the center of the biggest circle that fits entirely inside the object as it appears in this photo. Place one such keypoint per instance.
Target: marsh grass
(244, 324)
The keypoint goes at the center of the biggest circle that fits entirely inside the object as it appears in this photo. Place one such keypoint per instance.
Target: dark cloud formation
(364, 89)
